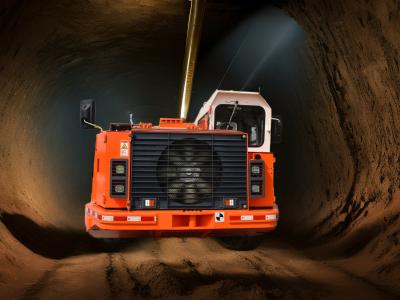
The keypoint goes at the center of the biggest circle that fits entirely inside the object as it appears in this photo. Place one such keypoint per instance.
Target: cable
(93, 125)
(233, 58)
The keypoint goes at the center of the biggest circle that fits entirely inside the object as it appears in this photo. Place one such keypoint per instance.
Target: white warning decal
(124, 148)
(219, 217)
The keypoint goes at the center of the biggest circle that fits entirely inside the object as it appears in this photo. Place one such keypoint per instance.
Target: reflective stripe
(123, 218)
(249, 218)
(107, 218)
(134, 218)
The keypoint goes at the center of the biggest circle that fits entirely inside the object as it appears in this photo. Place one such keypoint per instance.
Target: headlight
(119, 188)
(120, 169)
(255, 170)
(255, 188)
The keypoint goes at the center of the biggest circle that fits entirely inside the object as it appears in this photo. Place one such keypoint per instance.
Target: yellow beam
(192, 44)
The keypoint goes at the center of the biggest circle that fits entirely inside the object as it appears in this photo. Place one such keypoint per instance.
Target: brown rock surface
(354, 127)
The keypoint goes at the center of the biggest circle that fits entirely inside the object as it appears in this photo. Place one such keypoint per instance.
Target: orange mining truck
(211, 177)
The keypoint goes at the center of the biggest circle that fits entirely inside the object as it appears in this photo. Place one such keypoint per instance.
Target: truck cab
(243, 111)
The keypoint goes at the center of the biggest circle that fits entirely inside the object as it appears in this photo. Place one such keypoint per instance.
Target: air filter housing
(188, 171)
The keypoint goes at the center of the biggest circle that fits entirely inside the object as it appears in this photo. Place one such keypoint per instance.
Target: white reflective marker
(107, 218)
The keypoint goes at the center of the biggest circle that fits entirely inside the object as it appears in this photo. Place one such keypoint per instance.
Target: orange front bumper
(106, 223)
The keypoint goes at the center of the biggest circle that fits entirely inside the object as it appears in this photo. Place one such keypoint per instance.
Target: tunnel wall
(22, 180)
(53, 55)
(351, 148)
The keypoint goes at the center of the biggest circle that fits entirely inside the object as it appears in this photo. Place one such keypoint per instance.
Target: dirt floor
(190, 268)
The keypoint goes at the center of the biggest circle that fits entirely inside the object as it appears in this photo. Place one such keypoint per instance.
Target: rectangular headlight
(119, 189)
(120, 169)
(256, 169)
(255, 188)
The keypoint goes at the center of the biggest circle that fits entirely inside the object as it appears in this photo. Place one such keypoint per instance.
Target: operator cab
(245, 118)
(242, 111)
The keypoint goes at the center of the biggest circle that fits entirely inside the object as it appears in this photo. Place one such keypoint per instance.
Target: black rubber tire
(241, 243)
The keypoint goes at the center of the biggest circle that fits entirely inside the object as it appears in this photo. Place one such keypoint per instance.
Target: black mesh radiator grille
(188, 171)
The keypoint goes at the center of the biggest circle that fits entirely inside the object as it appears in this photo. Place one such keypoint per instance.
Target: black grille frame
(226, 169)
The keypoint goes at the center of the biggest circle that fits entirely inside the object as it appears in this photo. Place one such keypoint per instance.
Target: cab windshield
(246, 118)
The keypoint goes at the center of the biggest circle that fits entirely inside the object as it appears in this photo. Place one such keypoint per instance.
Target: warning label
(124, 148)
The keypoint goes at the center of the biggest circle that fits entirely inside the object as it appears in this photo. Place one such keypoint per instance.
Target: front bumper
(106, 223)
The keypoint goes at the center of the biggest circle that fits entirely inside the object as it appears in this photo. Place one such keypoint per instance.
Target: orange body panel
(106, 216)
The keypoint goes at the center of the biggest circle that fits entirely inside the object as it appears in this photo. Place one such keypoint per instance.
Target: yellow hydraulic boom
(192, 43)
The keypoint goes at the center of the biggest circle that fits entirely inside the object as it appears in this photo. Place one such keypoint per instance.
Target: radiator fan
(188, 170)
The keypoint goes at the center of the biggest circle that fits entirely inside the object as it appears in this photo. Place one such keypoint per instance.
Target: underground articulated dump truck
(213, 177)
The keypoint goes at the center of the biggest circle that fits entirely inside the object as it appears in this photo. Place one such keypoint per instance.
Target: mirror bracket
(88, 114)
(276, 130)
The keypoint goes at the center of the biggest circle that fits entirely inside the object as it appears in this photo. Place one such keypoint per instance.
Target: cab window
(246, 118)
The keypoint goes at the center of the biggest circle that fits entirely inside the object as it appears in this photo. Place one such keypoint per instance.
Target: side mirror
(87, 113)
(276, 130)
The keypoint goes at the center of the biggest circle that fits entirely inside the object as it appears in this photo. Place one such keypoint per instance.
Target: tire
(241, 243)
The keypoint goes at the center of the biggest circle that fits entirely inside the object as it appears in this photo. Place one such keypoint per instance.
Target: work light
(255, 170)
(255, 188)
(119, 188)
(120, 169)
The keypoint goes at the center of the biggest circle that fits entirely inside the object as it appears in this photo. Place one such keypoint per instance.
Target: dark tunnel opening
(122, 68)
(330, 69)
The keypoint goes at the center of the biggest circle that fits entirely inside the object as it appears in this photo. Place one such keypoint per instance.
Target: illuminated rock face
(54, 55)
(340, 160)
(350, 185)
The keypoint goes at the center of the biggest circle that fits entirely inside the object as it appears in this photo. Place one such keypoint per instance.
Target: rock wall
(350, 188)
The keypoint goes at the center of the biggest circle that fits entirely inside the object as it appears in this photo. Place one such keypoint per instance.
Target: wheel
(241, 243)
